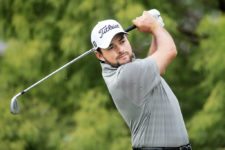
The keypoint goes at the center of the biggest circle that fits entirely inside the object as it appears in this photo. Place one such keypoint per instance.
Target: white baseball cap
(103, 33)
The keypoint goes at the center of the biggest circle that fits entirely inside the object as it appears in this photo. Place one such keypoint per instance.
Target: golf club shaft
(67, 64)
(54, 72)
(130, 28)
(14, 107)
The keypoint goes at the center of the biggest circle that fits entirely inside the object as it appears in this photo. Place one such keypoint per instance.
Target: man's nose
(120, 49)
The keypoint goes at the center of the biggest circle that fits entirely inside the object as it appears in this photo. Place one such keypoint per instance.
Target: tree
(208, 124)
(42, 35)
(97, 125)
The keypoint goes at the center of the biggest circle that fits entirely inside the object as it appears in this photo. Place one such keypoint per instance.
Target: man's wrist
(155, 27)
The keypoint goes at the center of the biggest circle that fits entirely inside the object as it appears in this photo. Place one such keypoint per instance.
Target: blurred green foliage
(73, 109)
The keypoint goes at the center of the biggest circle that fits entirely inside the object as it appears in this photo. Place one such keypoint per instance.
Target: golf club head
(14, 107)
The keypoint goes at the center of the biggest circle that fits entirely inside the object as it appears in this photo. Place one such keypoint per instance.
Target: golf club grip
(130, 28)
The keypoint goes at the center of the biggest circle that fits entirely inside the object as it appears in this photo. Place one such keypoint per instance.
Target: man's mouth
(122, 55)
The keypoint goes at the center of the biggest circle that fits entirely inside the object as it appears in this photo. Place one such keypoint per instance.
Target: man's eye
(122, 41)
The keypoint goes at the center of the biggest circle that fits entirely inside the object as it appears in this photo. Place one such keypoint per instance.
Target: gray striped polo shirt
(146, 103)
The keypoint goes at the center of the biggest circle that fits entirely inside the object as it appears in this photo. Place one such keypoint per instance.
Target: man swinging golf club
(141, 95)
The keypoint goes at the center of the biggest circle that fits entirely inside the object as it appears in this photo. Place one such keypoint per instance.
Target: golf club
(14, 107)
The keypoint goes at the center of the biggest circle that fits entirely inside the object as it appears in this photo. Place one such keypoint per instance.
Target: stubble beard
(118, 64)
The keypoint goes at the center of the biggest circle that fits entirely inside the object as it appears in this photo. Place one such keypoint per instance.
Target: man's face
(118, 53)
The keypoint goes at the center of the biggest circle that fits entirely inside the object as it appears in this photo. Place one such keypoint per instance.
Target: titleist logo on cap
(106, 29)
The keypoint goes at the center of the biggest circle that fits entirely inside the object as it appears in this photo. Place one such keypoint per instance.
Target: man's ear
(99, 56)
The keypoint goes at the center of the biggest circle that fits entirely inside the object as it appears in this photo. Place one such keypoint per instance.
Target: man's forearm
(166, 49)
(163, 39)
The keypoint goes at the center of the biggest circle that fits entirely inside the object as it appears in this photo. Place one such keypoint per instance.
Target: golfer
(141, 95)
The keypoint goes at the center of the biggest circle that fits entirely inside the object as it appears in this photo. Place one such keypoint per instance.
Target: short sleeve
(137, 79)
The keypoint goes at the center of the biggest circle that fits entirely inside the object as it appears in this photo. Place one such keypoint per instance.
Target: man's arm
(165, 50)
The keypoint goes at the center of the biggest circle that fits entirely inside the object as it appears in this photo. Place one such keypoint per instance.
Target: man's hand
(146, 22)
(156, 14)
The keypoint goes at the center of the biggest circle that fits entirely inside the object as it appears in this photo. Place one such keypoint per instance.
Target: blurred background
(73, 110)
